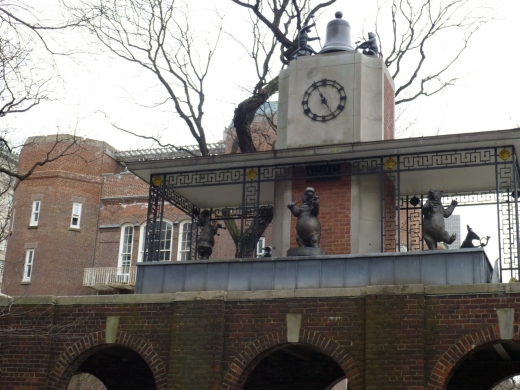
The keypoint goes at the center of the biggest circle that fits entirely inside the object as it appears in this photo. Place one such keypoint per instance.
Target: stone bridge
(378, 337)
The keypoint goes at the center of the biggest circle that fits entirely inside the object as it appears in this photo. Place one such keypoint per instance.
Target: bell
(338, 35)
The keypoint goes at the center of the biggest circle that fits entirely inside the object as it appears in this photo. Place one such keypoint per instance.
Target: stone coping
(355, 292)
(356, 256)
(496, 138)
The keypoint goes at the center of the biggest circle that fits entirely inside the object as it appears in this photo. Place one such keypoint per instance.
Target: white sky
(486, 98)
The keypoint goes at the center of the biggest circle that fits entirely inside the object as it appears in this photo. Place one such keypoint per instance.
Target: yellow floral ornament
(157, 181)
(252, 174)
(390, 163)
(504, 154)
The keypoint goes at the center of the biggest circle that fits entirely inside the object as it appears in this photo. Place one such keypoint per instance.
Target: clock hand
(323, 98)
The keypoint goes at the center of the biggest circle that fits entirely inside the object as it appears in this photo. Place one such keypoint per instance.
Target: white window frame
(28, 265)
(142, 239)
(76, 214)
(167, 252)
(35, 212)
(260, 245)
(183, 247)
(125, 252)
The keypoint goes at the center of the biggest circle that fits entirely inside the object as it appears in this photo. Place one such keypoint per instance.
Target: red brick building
(83, 211)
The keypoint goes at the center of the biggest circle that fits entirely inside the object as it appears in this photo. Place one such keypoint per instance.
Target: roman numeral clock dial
(324, 100)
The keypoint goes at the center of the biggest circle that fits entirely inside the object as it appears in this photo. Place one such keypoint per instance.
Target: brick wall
(61, 253)
(384, 337)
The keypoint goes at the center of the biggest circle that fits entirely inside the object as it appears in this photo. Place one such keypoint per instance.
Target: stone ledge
(353, 292)
(488, 288)
(403, 289)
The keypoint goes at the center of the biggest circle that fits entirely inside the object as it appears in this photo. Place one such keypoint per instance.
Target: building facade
(78, 224)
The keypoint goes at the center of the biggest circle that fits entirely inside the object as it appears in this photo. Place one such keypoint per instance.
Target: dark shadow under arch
(294, 367)
(93, 346)
(246, 361)
(486, 366)
(119, 368)
(477, 361)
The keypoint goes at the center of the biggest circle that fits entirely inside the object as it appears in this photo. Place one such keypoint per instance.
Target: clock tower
(336, 97)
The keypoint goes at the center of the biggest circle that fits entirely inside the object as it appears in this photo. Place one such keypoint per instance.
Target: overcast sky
(486, 97)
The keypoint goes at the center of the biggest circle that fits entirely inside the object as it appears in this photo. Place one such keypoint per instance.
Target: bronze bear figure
(433, 213)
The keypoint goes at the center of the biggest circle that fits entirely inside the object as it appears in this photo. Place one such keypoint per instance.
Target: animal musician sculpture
(370, 46)
(308, 227)
(303, 42)
(468, 241)
(207, 234)
(433, 227)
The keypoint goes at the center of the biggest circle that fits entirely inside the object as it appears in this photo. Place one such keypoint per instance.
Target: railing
(168, 152)
(108, 278)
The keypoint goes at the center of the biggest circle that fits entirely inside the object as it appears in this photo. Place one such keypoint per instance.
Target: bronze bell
(338, 35)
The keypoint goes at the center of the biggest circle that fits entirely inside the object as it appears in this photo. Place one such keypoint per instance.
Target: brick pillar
(197, 345)
(394, 341)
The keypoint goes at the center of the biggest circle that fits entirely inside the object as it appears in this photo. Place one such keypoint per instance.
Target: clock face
(324, 100)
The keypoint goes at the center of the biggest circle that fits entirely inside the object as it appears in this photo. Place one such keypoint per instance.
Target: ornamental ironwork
(399, 212)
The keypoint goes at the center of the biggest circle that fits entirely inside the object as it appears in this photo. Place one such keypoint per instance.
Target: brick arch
(72, 358)
(256, 350)
(128, 220)
(465, 345)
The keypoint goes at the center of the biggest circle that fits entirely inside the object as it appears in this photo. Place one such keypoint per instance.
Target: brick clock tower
(331, 98)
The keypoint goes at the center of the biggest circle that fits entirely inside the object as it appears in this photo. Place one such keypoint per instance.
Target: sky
(94, 91)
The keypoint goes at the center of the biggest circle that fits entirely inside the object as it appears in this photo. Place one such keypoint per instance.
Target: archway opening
(294, 367)
(119, 368)
(486, 367)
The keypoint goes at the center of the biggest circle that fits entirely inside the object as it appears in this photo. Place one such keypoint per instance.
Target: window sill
(73, 229)
(33, 226)
(26, 282)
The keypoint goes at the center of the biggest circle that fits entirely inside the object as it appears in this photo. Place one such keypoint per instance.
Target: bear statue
(433, 213)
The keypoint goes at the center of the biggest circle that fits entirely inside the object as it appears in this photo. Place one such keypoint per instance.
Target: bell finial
(338, 35)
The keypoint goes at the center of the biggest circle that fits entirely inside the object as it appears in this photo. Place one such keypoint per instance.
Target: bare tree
(415, 26)
(27, 76)
(283, 19)
(27, 68)
(155, 35)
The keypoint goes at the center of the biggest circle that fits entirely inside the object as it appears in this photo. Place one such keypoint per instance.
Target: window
(35, 214)
(76, 215)
(260, 247)
(27, 270)
(165, 248)
(142, 240)
(184, 241)
(125, 252)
